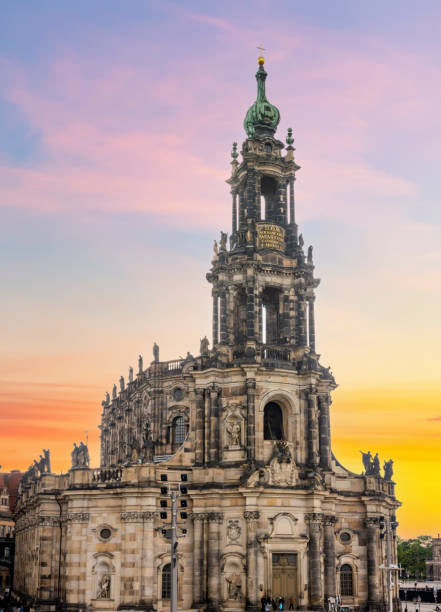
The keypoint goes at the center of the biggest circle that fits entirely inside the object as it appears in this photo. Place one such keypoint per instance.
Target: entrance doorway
(285, 577)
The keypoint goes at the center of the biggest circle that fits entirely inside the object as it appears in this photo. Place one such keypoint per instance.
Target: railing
(270, 353)
(175, 365)
(106, 475)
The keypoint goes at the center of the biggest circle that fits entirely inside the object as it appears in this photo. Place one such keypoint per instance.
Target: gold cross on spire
(261, 59)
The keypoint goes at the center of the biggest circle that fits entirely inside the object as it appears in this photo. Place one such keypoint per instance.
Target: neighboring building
(244, 428)
(433, 567)
(9, 482)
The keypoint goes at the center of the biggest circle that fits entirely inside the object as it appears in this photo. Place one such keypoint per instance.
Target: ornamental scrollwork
(314, 518)
(251, 515)
(200, 516)
(137, 517)
(77, 517)
(48, 521)
(215, 517)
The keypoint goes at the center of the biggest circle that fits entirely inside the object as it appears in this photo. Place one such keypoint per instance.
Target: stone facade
(433, 567)
(243, 429)
(9, 482)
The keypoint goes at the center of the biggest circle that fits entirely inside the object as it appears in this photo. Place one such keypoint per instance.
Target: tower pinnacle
(262, 117)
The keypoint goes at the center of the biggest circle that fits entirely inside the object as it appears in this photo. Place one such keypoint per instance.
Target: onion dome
(262, 117)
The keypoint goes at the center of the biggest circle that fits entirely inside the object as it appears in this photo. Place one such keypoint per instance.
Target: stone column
(198, 560)
(313, 434)
(215, 319)
(223, 317)
(261, 553)
(291, 201)
(213, 561)
(251, 432)
(284, 333)
(251, 314)
(207, 412)
(231, 301)
(147, 562)
(234, 223)
(314, 558)
(330, 560)
(199, 429)
(301, 320)
(292, 316)
(372, 563)
(251, 517)
(324, 432)
(214, 425)
(311, 323)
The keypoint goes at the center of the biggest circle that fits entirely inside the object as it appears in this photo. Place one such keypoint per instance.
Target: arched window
(346, 581)
(166, 582)
(273, 422)
(179, 431)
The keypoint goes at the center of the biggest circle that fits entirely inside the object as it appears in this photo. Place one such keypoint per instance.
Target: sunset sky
(116, 123)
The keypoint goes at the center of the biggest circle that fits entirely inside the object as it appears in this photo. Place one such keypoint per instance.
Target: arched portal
(273, 422)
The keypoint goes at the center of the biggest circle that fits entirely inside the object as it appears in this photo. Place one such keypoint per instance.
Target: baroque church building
(242, 430)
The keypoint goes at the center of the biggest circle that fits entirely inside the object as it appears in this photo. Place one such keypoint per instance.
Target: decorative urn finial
(262, 117)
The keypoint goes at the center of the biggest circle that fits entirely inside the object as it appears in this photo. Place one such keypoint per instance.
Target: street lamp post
(173, 552)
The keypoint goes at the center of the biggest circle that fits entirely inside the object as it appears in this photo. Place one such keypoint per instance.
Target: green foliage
(412, 555)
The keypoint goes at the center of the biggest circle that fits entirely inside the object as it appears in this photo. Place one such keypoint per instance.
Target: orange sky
(117, 128)
(401, 423)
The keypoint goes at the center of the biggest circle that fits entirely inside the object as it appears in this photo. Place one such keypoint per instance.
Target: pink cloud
(125, 137)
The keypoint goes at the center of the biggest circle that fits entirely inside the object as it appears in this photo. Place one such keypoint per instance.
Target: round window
(345, 537)
(178, 394)
(105, 533)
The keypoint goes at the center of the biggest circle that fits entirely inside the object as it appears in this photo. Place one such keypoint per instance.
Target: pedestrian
(281, 603)
(274, 604)
(291, 603)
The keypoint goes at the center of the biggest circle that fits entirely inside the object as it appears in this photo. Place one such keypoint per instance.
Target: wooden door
(285, 577)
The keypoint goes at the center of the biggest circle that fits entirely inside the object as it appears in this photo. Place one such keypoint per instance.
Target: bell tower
(263, 285)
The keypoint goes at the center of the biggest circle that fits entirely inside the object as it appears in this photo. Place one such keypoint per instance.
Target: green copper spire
(262, 116)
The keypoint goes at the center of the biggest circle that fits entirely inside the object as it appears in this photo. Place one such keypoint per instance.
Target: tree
(412, 555)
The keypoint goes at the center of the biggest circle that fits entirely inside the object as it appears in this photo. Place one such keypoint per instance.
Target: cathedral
(242, 433)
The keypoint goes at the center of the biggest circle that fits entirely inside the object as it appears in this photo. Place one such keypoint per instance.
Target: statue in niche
(148, 444)
(310, 254)
(249, 234)
(155, 352)
(103, 590)
(223, 241)
(233, 429)
(388, 469)
(301, 241)
(140, 366)
(234, 583)
(130, 374)
(121, 383)
(107, 398)
(204, 346)
(233, 530)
